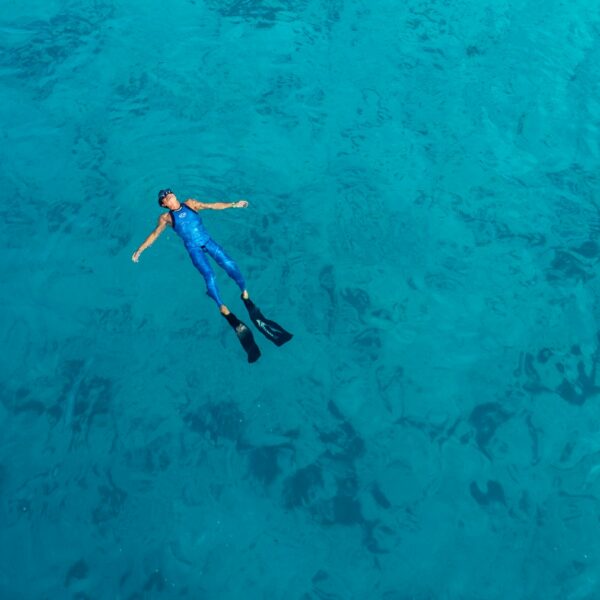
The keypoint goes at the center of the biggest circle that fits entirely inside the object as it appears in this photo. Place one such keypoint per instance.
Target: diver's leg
(242, 332)
(201, 263)
(227, 263)
(270, 329)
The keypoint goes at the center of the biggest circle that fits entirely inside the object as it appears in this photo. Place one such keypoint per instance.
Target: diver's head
(167, 199)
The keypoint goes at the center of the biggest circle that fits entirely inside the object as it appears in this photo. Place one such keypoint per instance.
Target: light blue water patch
(424, 216)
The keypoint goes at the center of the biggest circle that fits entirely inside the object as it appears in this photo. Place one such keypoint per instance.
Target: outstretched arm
(195, 205)
(163, 221)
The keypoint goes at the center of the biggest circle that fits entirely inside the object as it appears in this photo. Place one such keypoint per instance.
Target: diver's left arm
(195, 205)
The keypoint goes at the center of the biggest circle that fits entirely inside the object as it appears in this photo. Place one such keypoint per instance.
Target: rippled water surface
(424, 216)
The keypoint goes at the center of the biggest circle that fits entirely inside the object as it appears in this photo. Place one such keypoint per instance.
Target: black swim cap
(163, 194)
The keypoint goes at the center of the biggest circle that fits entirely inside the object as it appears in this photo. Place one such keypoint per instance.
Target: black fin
(245, 336)
(271, 330)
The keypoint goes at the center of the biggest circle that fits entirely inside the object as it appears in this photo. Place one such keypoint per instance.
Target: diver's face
(170, 201)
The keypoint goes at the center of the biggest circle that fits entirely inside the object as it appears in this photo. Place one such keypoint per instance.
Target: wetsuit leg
(226, 263)
(201, 263)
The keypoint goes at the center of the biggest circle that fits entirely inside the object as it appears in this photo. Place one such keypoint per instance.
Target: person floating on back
(185, 220)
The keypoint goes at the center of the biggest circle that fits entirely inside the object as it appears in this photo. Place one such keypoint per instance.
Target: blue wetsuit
(188, 225)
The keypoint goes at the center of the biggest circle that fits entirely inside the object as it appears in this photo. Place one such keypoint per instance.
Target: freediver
(185, 220)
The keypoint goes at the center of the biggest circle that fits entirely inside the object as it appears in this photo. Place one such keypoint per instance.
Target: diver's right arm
(163, 221)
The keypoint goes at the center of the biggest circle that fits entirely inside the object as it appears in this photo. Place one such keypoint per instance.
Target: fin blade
(247, 340)
(270, 329)
(245, 337)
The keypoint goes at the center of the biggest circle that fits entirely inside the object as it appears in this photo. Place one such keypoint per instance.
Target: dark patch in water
(369, 341)
(111, 502)
(565, 266)
(346, 510)
(300, 488)
(343, 443)
(493, 494)
(335, 411)
(263, 462)
(379, 497)
(588, 249)
(155, 581)
(486, 418)
(357, 298)
(217, 420)
(78, 570)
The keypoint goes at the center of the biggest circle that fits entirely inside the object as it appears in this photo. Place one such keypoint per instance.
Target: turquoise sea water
(424, 216)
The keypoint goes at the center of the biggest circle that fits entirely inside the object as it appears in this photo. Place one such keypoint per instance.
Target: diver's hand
(240, 204)
(135, 257)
